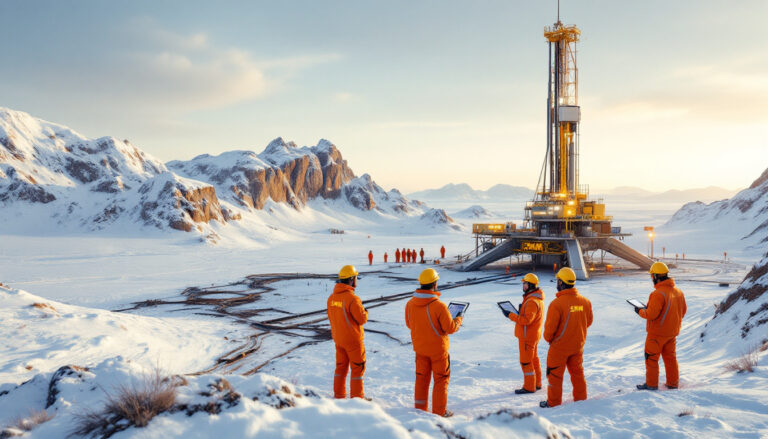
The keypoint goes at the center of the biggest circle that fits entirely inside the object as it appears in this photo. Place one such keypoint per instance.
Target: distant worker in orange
(442, 252)
(421, 254)
(397, 255)
(385, 257)
(370, 257)
(409, 256)
(664, 314)
(414, 254)
(347, 317)
(565, 329)
(430, 323)
(528, 332)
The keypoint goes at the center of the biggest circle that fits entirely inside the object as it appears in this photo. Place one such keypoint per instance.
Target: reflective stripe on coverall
(565, 329)
(347, 317)
(430, 323)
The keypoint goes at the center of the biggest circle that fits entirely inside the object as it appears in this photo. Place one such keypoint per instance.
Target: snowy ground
(83, 276)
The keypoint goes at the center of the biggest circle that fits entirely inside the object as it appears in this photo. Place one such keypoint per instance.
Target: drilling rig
(561, 222)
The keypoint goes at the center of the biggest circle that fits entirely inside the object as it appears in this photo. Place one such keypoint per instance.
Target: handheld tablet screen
(457, 308)
(507, 306)
(636, 303)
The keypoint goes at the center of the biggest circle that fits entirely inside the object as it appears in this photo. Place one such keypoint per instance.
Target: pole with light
(651, 235)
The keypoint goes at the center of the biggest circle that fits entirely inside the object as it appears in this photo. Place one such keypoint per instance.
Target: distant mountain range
(465, 192)
(502, 192)
(745, 215)
(707, 194)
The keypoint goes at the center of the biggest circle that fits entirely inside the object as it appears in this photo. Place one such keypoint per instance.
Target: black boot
(543, 404)
(522, 391)
(645, 386)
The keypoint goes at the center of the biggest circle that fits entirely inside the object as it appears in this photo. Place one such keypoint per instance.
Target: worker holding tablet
(565, 329)
(347, 317)
(528, 332)
(430, 323)
(664, 315)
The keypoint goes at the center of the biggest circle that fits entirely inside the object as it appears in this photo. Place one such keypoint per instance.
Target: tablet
(636, 303)
(507, 307)
(457, 308)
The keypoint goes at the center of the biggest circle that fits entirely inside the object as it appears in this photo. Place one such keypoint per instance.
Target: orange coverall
(397, 256)
(421, 253)
(430, 324)
(568, 318)
(664, 315)
(528, 332)
(442, 252)
(347, 317)
(409, 255)
(370, 258)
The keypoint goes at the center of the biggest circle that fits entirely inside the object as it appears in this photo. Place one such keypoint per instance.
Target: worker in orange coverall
(347, 317)
(397, 255)
(421, 254)
(528, 332)
(565, 329)
(664, 314)
(409, 256)
(385, 257)
(442, 252)
(430, 323)
(370, 257)
(413, 252)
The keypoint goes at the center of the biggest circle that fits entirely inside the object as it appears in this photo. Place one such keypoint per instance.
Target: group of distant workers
(407, 255)
(565, 329)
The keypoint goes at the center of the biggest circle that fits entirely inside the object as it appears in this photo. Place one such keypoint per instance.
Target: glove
(637, 310)
(506, 313)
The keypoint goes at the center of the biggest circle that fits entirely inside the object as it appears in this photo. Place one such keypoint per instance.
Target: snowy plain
(84, 276)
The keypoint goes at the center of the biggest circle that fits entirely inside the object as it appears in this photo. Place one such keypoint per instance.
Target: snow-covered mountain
(94, 182)
(745, 216)
(52, 176)
(743, 314)
(475, 212)
(707, 194)
(465, 192)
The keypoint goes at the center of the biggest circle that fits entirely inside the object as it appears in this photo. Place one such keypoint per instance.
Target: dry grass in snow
(23, 425)
(131, 405)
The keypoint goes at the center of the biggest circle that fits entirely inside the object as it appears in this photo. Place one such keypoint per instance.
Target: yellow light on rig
(650, 235)
(570, 203)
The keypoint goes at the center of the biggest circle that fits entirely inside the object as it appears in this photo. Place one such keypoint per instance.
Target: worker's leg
(357, 362)
(536, 364)
(576, 371)
(423, 376)
(669, 354)
(526, 362)
(555, 371)
(340, 374)
(652, 351)
(441, 371)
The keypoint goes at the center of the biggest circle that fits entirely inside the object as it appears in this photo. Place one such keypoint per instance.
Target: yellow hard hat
(531, 279)
(567, 275)
(659, 268)
(428, 276)
(347, 271)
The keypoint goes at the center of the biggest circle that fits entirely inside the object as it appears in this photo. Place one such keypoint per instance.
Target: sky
(416, 93)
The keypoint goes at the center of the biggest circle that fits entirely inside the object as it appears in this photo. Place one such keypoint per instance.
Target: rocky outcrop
(283, 173)
(744, 311)
(170, 201)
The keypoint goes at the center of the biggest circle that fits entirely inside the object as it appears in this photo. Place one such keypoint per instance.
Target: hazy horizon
(415, 94)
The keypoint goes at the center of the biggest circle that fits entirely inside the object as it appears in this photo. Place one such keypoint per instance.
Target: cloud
(733, 91)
